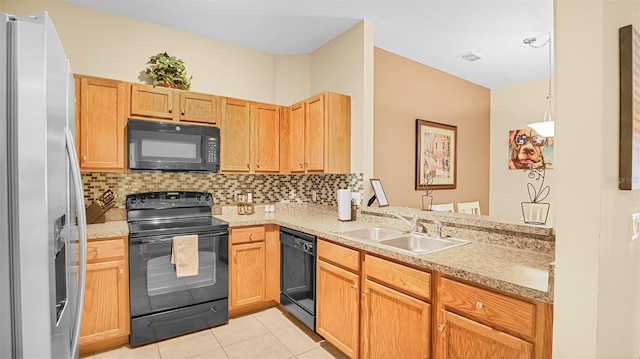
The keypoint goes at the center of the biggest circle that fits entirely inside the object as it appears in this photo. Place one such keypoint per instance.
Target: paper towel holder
(379, 192)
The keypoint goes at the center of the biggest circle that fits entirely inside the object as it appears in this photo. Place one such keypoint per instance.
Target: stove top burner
(171, 213)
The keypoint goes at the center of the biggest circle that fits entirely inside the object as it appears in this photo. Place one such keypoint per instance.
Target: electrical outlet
(635, 226)
(314, 195)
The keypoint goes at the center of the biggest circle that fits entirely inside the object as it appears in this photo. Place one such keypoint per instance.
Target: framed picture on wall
(629, 165)
(436, 145)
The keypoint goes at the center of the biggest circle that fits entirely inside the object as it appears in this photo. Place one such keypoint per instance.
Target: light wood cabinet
(337, 286)
(465, 339)
(105, 313)
(396, 315)
(250, 137)
(320, 134)
(476, 322)
(101, 110)
(171, 104)
(235, 133)
(248, 274)
(266, 137)
(254, 267)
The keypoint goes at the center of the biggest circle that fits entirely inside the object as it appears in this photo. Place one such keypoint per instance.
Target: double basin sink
(414, 242)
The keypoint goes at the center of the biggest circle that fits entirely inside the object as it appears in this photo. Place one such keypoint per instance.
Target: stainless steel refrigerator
(42, 220)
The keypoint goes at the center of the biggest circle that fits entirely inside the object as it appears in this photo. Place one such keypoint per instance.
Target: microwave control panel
(212, 149)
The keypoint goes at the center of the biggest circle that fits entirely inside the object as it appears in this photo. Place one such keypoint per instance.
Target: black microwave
(171, 146)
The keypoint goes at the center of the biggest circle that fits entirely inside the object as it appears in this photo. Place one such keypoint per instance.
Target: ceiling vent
(470, 56)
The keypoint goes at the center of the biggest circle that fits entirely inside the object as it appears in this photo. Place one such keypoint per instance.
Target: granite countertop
(518, 271)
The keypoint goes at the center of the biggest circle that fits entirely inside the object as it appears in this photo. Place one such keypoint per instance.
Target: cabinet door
(155, 102)
(235, 136)
(105, 313)
(395, 325)
(102, 124)
(266, 137)
(314, 134)
(197, 107)
(465, 339)
(247, 274)
(296, 137)
(337, 317)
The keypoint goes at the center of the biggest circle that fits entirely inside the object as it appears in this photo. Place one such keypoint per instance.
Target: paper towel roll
(344, 204)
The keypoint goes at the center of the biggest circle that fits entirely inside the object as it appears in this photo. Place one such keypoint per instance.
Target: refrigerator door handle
(82, 230)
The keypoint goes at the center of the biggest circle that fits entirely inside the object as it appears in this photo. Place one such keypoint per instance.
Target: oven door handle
(159, 323)
(169, 238)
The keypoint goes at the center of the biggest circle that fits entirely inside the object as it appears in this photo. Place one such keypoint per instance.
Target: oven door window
(155, 286)
(167, 147)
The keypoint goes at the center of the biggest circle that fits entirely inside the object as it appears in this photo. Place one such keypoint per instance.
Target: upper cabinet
(250, 137)
(174, 105)
(101, 112)
(319, 131)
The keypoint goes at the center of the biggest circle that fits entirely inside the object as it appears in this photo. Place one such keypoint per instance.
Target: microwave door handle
(82, 240)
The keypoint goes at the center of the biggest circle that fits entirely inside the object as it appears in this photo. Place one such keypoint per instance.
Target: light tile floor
(268, 334)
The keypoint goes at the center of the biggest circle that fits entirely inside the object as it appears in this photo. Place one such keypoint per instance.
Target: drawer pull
(479, 305)
(250, 234)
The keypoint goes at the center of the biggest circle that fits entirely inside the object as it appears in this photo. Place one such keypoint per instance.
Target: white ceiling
(432, 32)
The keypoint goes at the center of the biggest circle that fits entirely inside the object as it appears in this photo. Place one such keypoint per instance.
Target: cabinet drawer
(342, 256)
(107, 250)
(247, 234)
(493, 308)
(407, 279)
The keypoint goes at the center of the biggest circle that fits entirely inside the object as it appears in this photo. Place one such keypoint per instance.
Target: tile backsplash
(266, 188)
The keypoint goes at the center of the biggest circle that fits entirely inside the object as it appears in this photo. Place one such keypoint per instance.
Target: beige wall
(512, 107)
(405, 91)
(113, 46)
(293, 78)
(345, 65)
(597, 277)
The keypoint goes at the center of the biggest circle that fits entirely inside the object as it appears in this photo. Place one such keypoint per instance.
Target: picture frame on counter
(436, 155)
(379, 192)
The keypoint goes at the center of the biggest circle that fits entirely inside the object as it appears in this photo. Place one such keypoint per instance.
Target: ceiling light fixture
(546, 126)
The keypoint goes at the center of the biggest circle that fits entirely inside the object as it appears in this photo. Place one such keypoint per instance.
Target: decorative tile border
(266, 188)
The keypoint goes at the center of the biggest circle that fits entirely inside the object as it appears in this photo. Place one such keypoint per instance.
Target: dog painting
(528, 150)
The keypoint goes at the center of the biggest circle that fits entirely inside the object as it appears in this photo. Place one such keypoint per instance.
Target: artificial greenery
(168, 71)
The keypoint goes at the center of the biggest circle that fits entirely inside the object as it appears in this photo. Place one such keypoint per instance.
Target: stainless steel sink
(422, 244)
(372, 234)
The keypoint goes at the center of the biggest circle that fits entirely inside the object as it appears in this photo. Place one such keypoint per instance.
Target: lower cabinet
(467, 339)
(248, 274)
(105, 313)
(254, 267)
(337, 288)
(474, 322)
(396, 313)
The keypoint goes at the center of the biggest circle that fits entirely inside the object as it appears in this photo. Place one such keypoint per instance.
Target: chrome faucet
(438, 229)
(413, 224)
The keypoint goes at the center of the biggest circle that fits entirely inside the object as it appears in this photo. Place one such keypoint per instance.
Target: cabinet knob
(250, 234)
(306, 164)
(84, 158)
(365, 292)
(121, 271)
(353, 286)
(258, 164)
(183, 112)
(301, 165)
(479, 305)
(235, 254)
(170, 109)
(248, 165)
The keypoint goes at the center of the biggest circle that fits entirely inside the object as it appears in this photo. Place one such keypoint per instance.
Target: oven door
(154, 285)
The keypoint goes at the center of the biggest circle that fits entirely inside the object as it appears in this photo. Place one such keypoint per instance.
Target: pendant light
(546, 126)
